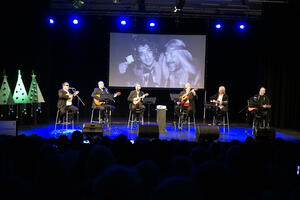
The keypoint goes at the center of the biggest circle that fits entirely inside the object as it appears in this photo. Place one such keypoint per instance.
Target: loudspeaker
(91, 130)
(148, 131)
(8, 128)
(264, 133)
(207, 133)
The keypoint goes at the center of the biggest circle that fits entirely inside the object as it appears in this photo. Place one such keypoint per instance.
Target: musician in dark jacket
(64, 103)
(261, 103)
(220, 101)
(103, 96)
(133, 96)
(186, 101)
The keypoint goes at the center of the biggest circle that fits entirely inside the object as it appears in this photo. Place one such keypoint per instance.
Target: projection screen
(156, 60)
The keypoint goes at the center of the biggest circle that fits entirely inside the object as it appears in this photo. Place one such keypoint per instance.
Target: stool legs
(131, 119)
(56, 119)
(65, 121)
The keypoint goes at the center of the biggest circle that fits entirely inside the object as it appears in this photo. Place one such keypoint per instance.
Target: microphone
(71, 88)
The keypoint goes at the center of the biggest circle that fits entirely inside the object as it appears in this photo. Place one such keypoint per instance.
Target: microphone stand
(78, 100)
(243, 109)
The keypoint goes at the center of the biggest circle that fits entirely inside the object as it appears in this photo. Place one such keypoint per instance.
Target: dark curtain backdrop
(242, 62)
(280, 64)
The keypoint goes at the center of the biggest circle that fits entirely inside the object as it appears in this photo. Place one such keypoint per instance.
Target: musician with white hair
(220, 100)
(135, 98)
(186, 103)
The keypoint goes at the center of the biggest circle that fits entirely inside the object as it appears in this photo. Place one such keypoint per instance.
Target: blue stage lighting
(123, 22)
(218, 26)
(152, 24)
(75, 21)
(51, 21)
(242, 26)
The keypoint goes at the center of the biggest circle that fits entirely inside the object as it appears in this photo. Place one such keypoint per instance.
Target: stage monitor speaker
(207, 133)
(264, 133)
(148, 131)
(91, 129)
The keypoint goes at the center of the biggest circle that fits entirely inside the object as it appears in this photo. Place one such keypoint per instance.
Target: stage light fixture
(152, 24)
(75, 21)
(242, 26)
(123, 22)
(51, 20)
(218, 26)
(179, 5)
(77, 3)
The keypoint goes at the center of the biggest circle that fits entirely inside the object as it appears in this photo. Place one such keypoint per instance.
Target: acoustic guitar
(99, 103)
(137, 100)
(185, 97)
(255, 108)
(71, 96)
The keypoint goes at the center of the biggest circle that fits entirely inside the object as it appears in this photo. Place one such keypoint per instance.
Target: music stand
(175, 98)
(149, 101)
(108, 98)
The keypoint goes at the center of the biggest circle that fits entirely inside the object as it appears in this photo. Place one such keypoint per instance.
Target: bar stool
(259, 122)
(99, 116)
(225, 120)
(107, 118)
(185, 115)
(131, 121)
(65, 121)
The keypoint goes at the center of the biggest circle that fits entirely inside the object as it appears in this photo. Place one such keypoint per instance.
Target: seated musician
(220, 102)
(186, 103)
(259, 106)
(135, 98)
(64, 103)
(101, 101)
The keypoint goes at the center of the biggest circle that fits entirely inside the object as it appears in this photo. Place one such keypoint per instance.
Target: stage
(235, 132)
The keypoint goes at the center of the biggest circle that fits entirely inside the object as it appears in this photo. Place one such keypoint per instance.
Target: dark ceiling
(165, 8)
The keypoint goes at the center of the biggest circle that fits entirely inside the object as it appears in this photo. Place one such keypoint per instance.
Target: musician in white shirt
(220, 100)
(135, 98)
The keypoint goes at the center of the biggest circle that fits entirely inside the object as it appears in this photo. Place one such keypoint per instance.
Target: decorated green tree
(20, 94)
(35, 94)
(6, 100)
(5, 93)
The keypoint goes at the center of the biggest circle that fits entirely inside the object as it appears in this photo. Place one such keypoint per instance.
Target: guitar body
(70, 99)
(254, 108)
(251, 109)
(185, 96)
(136, 101)
(97, 102)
